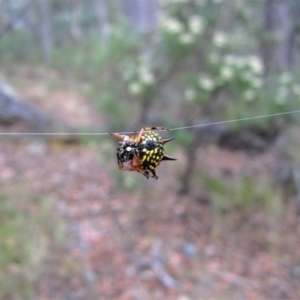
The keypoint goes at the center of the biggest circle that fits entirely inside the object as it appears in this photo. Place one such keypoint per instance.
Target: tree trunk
(296, 177)
(277, 48)
(103, 24)
(46, 34)
(142, 15)
(191, 154)
(75, 26)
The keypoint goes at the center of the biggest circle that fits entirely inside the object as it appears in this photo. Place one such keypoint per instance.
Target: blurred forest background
(222, 221)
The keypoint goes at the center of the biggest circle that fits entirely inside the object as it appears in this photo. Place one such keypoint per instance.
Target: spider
(142, 152)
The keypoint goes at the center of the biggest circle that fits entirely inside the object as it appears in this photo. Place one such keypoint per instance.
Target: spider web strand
(235, 120)
(129, 132)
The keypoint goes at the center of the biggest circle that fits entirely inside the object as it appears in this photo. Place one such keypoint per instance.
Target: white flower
(249, 95)
(206, 83)
(296, 89)
(186, 39)
(135, 88)
(219, 39)
(226, 73)
(190, 94)
(172, 25)
(285, 78)
(146, 76)
(256, 64)
(196, 24)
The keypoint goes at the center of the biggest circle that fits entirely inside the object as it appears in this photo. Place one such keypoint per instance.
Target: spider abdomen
(142, 152)
(151, 150)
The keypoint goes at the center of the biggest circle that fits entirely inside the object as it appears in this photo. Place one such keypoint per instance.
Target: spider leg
(120, 136)
(131, 165)
(117, 135)
(136, 164)
(138, 140)
(154, 174)
(126, 167)
(155, 128)
(145, 173)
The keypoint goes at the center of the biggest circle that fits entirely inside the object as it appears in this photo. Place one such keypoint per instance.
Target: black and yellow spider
(142, 152)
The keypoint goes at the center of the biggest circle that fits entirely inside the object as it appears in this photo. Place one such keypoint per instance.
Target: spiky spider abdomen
(151, 150)
(142, 153)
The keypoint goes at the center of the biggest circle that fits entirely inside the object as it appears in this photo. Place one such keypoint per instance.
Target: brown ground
(149, 243)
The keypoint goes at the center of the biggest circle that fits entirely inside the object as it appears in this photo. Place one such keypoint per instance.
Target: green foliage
(26, 230)
(101, 70)
(229, 75)
(182, 138)
(243, 194)
(18, 47)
